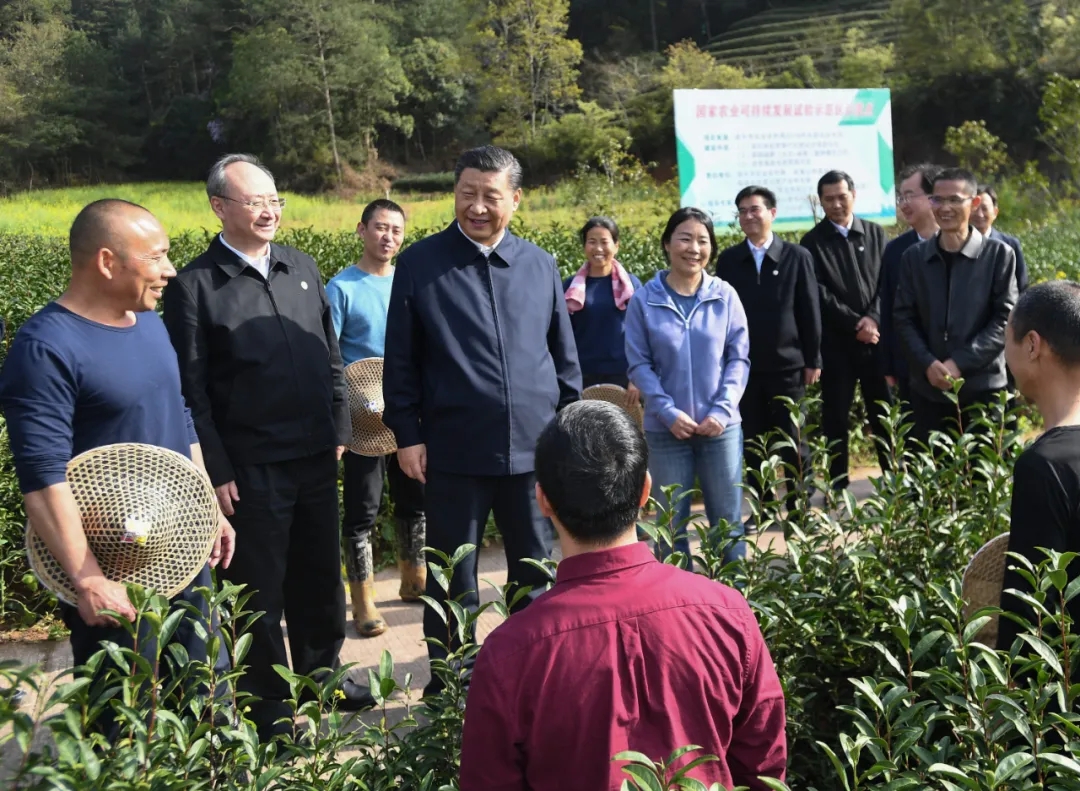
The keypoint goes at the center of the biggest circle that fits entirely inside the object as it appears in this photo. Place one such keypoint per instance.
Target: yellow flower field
(183, 207)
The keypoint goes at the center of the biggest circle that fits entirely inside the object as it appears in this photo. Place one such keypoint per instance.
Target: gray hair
(490, 159)
(216, 181)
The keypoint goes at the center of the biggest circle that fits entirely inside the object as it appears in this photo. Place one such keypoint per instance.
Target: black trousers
(846, 363)
(933, 415)
(362, 492)
(86, 640)
(457, 512)
(762, 412)
(288, 552)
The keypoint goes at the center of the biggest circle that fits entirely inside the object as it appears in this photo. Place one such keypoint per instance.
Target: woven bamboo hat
(983, 580)
(149, 514)
(370, 436)
(614, 394)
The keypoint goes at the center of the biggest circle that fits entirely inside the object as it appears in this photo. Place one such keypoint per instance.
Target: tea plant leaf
(1043, 650)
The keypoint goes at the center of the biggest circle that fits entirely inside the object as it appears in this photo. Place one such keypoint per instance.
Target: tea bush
(886, 687)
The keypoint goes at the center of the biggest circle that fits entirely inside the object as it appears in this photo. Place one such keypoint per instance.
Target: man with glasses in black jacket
(952, 305)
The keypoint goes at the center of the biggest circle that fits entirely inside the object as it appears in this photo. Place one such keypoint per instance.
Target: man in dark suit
(261, 372)
(847, 261)
(915, 183)
(480, 354)
(776, 285)
(983, 218)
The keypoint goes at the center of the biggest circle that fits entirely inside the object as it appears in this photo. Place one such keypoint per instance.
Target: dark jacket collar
(510, 246)
(972, 247)
(230, 262)
(775, 249)
(856, 227)
(604, 561)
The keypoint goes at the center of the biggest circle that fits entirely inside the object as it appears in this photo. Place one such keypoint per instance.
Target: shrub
(424, 182)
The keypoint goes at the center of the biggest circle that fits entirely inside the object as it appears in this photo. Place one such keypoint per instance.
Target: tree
(1060, 116)
(863, 63)
(321, 72)
(1059, 23)
(530, 68)
(440, 88)
(689, 67)
(976, 148)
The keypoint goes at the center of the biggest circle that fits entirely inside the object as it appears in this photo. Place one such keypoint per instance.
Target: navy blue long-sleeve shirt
(598, 328)
(1021, 264)
(70, 385)
(479, 353)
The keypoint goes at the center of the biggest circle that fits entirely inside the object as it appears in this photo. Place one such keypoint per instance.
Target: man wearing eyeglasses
(952, 305)
(263, 377)
(915, 183)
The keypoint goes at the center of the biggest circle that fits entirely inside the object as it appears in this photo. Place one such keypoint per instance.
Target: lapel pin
(303, 285)
(776, 272)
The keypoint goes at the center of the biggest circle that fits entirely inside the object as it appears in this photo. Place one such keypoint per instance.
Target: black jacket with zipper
(848, 271)
(259, 362)
(960, 317)
(781, 304)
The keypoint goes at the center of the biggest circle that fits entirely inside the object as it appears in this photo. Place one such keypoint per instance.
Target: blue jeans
(716, 462)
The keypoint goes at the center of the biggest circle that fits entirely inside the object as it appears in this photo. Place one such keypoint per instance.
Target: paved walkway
(404, 638)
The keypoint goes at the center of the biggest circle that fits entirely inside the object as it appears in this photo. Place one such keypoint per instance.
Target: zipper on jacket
(506, 373)
(285, 333)
(948, 302)
(686, 324)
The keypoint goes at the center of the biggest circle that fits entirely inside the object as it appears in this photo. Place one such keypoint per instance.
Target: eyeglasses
(937, 201)
(909, 197)
(751, 211)
(258, 205)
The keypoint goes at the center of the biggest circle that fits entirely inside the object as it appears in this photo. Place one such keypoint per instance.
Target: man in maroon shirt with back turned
(623, 653)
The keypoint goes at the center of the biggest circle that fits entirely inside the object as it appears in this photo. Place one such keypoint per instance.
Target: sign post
(785, 140)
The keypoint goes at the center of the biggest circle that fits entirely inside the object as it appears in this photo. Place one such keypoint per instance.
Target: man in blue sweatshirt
(359, 297)
(479, 356)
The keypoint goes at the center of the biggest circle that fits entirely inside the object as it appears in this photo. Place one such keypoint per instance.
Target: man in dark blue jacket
(984, 217)
(479, 356)
(915, 183)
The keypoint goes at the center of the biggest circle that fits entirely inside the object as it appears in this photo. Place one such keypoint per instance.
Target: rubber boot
(366, 617)
(411, 534)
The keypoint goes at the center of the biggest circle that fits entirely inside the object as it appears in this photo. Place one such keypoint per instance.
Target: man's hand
(938, 375)
(866, 331)
(811, 376)
(683, 427)
(953, 370)
(97, 594)
(224, 544)
(340, 451)
(633, 396)
(413, 462)
(226, 496)
(710, 427)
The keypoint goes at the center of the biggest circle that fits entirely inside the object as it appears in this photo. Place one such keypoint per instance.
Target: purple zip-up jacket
(697, 365)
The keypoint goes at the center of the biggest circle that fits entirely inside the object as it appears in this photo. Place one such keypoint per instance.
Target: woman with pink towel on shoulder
(596, 297)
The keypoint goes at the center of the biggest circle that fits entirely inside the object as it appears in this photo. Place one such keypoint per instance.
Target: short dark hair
(1052, 310)
(835, 177)
(927, 170)
(764, 193)
(600, 222)
(380, 204)
(591, 461)
(90, 231)
(490, 159)
(690, 213)
(966, 177)
(987, 189)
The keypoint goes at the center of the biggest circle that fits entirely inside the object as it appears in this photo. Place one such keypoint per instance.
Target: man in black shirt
(847, 263)
(776, 284)
(952, 303)
(1042, 347)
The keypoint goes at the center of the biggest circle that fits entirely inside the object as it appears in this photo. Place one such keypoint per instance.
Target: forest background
(361, 97)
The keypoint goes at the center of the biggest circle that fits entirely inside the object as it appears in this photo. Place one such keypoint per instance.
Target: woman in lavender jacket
(688, 349)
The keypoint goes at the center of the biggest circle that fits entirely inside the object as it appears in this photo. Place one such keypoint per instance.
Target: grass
(183, 207)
